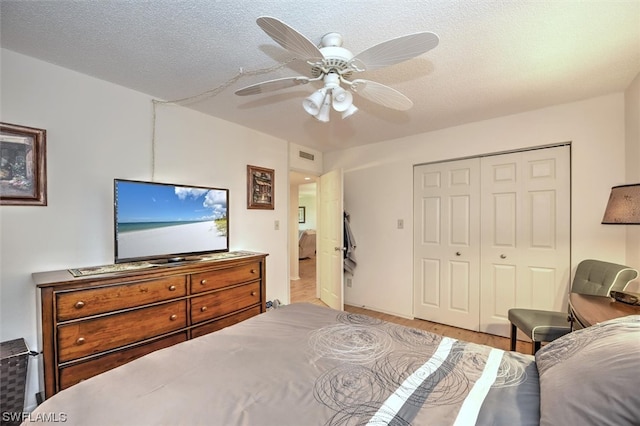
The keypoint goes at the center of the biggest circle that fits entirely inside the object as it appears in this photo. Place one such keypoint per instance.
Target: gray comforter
(304, 364)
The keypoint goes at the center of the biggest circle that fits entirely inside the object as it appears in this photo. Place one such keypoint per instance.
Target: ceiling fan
(333, 65)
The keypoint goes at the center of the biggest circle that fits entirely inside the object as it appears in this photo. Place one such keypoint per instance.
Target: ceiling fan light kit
(331, 95)
(333, 65)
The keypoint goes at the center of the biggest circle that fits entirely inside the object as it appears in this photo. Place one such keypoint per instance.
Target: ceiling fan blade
(395, 50)
(271, 85)
(381, 94)
(289, 38)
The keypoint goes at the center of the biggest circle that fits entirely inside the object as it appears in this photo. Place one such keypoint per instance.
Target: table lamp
(623, 207)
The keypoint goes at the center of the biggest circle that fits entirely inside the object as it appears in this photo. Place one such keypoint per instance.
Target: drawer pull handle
(503, 256)
(204, 308)
(80, 341)
(173, 317)
(203, 282)
(253, 293)
(79, 304)
(172, 288)
(253, 271)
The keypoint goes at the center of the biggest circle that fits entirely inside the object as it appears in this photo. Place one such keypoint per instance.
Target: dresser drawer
(91, 336)
(224, 302)
(83, 303)
(73, 374)
(219, 278)
(224, 322)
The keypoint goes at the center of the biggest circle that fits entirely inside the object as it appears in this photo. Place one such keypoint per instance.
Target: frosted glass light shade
(325, 110)
(623, 207)
(350, 111)
(313, 103)
(342, 99)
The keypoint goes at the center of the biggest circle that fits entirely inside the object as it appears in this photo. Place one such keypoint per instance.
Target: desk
(587, 310)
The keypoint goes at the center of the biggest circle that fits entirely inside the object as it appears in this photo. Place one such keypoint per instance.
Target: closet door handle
(458, 253)
(503, 256)
(338, 248)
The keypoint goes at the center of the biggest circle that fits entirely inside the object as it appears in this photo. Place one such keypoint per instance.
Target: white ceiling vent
(306, 155)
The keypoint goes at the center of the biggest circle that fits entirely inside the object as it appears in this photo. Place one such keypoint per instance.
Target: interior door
(446, 242)
(330, 235)
(525, 234)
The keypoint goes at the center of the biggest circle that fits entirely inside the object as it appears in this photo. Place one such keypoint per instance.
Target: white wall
(378, 187)
(195, 148)
(305, 165)
(97, 131)
(632, 134)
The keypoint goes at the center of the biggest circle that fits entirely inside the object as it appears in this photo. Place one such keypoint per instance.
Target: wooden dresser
(92, 323)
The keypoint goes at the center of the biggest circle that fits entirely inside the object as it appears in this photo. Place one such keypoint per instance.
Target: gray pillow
(592, 376)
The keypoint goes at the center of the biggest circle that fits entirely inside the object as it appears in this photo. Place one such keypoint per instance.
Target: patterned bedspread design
(386, 373)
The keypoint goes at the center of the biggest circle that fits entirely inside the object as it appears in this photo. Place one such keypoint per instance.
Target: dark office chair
(593, 277)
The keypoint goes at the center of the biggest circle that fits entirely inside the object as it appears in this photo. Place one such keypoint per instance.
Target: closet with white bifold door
(492, 233)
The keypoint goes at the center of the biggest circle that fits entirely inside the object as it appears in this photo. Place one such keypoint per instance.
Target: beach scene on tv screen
(158, 220)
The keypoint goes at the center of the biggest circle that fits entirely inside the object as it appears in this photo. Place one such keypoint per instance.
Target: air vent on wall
(306, 155)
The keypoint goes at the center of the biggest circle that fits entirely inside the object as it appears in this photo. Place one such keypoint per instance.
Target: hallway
(304, 289)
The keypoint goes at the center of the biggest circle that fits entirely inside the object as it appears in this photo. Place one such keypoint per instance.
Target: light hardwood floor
(304, 290)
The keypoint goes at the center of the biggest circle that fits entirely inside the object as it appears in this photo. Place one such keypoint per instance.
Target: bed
(304, 364)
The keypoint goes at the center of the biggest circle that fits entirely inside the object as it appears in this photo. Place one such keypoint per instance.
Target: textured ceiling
(494, 58)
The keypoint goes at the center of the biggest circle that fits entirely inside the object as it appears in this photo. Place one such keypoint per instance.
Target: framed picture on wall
(301, 214)
(23, 170)
(260, 188)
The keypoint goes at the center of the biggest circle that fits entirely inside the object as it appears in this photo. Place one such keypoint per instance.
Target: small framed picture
(23, 168)
(260, 188)
(301, 214)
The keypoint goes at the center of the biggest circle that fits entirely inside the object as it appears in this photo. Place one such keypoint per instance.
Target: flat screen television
(168, 222)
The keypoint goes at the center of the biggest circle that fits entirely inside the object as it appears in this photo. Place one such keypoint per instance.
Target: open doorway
(303, 278)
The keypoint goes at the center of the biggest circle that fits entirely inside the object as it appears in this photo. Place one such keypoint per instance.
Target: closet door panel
(525, 228)
(460, 220)
(430, 220)
(543, 287)
(503, 227)
(542, 206)
(503, 288)
(429, 279)
(446, 243)
(460, 285)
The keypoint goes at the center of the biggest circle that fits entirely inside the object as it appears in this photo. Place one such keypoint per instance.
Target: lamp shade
(325, 110)
(623, 207)
(313, 103)
(350, 111)
(342, 99)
